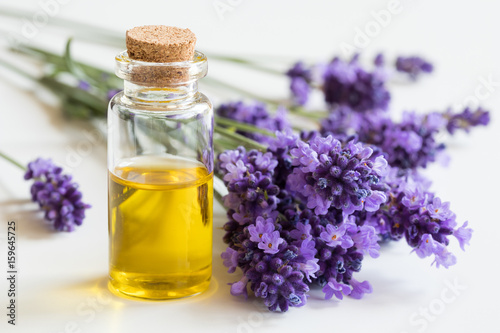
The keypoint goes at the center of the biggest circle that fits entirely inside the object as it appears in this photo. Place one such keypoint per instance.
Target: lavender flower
(309, 209)
(84, 85)
(360, 288)
(409, 144)
(341, 121)
(300, 79)
(466, 119)
(348, 84)
(56, 194)
(413, 66)
(275, 272)
(422, 218)
(379, 60)
(463, 234)
(271, 242)
(334, 236)
(329, 174)
(335, 288)
(280, 147)
(255, 114)
(230, 258)
(248, 177)
(240, 288)
(262, 227)
(340, 259)
(302, 232)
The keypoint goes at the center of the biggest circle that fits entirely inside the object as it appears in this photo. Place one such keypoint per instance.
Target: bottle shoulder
(199, 103)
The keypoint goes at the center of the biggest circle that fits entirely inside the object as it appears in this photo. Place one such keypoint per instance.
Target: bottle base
(155, 289)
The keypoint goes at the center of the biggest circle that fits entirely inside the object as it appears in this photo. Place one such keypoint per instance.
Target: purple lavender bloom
(366, 239)
(379, 60)
(248, 176)
(466, 119)
(262, 227)
(56, 194)
(230, 258)
(270, 242)
(240, 288)
(299, 69)
(300, 90)
(335, 235)
(255, 114)
(83, 85)
(414, 198)
(278, 277)
(419, 216)
(413, 66)
(435, 121)
(463, 234)
(347, 83)
(235, 171)
(359, 289)
(373, 201)
(308, 249)
(443, 257)
(407, 145)
(280, 148)
(40, 167)
(302, 232)
(439, 210)
(310, 268)
(329, 174)
(284, 140)
(335, 288)
(229, 157)
(340, 121)
(300, 78)
(426, 247)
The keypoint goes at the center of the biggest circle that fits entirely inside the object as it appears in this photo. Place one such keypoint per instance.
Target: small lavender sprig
(418, 215)
(414, 66)
(466, 119)
(56, 194)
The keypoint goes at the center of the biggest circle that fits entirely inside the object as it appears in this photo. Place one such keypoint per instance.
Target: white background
(62, 277)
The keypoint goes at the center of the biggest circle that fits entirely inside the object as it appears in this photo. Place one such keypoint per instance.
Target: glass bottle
(160, 195)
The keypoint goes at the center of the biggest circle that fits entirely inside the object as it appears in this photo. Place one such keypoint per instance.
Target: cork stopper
(160, 43)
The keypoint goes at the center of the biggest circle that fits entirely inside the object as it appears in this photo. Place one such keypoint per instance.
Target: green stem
(316, 115)
(13, 161)
(242, 126)
(249, 143)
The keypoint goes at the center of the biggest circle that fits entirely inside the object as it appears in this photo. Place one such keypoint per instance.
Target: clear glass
(160, 194)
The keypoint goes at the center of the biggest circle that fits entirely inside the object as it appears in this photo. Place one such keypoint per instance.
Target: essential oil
(160, 225)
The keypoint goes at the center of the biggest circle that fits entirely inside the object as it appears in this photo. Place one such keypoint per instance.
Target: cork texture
(160, 43)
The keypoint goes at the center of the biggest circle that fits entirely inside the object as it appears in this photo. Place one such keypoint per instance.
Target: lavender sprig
(418, 215)
(413, 66)
(466, 119)
(56, 194)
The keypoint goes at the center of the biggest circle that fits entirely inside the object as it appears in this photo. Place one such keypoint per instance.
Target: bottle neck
(150, 94)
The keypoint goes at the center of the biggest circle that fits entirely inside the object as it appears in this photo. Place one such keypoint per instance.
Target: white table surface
(62, 276)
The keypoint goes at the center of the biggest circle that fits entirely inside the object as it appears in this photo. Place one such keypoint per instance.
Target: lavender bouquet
(309, 208)
(304, 206)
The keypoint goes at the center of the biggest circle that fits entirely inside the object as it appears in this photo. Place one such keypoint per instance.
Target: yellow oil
(160, 227)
